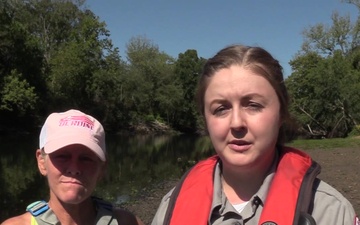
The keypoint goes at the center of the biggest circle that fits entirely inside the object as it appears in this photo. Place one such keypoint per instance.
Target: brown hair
(256, 59)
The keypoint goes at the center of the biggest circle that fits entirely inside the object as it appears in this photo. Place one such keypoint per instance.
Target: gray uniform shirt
(330, 207)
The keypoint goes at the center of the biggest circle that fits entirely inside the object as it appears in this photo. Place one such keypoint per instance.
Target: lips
(72, 182)
(239, 142)
(239, 145)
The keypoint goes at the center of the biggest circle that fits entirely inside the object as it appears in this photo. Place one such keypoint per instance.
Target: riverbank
(147, 201)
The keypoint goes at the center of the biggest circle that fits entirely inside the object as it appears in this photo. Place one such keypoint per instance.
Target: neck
(240, 184)
(71, 214)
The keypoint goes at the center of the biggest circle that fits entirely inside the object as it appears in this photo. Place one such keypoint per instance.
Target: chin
(240, 160)
(74, 197)
(239, 164)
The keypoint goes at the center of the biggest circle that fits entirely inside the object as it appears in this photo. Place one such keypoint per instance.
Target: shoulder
(326, 191)
(329, 201)
(160, 213)
(125, 217)
(18, 220)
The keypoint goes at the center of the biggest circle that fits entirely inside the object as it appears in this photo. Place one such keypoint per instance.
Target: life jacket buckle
(37, 208)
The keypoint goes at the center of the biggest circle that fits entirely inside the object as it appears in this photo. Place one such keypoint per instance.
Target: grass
(351, 142)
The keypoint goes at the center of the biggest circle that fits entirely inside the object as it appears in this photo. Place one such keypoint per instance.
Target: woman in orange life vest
(253, 178)
(72, 156)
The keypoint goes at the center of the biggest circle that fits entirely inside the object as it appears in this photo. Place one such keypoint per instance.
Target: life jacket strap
(37, 208)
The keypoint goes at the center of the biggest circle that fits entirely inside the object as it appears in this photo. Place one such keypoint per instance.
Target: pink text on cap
(80, 121)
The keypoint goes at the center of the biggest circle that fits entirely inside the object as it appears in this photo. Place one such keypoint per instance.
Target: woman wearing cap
(253, 179)
(72, 156)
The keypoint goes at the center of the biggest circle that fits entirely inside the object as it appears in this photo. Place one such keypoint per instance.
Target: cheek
(209, 124)
(269, 125)
(51, 171)
(217, 127)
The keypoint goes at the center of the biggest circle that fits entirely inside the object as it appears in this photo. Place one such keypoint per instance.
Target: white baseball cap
(73, 127)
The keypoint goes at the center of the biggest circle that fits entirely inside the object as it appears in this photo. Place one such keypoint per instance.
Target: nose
(73, 168)
(238, 120)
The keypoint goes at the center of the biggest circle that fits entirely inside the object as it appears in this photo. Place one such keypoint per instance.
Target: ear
(41, 162)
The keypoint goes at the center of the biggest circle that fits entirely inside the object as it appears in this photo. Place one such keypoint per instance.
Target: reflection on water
(135, 163)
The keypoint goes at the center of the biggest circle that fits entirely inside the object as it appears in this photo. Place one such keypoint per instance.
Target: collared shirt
(222, 211)
(330, 207)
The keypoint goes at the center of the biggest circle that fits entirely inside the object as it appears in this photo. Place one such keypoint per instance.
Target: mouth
(73, 182)
(239, 145)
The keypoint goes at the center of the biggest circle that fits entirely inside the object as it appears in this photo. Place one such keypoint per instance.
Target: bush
(355, 131)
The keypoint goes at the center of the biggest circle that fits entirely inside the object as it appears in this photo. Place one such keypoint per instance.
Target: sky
(210, 25)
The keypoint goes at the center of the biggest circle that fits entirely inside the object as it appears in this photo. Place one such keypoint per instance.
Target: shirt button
(256, 201)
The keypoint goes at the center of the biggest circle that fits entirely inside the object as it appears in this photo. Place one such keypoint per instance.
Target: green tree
(341, 35)
(149, 81)
(17, 95)
(325, 79)
(187, 70)
(51, 22)
(21, 80)
(107, 90)
(62, 54)
(74, 63)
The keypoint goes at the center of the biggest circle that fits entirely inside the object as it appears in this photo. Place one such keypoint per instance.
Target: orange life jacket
(290, 192)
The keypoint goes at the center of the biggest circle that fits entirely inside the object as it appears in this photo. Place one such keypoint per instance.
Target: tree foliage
(187, 70)
(325, 80)
(56, 55)
(17, 94)
(150, 83)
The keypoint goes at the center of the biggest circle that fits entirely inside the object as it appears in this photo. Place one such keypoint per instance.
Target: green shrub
(355, 131)
(149, 118)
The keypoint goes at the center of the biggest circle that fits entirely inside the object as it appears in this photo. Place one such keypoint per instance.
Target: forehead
(238, 79)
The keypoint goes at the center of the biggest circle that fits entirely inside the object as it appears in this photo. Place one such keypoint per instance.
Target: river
(134, 163)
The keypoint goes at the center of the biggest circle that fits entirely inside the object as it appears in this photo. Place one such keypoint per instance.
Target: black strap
(304, 205)
(306, 219)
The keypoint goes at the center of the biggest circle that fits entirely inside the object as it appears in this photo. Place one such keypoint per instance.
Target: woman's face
(242, 113)
(72, 172)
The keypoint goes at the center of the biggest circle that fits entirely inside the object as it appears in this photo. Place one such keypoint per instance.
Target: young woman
(72, 156)
(253, 178)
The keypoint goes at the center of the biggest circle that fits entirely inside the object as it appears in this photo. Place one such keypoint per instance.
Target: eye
(88, 158)
(60, 157)
(221, 110)
(254, 106)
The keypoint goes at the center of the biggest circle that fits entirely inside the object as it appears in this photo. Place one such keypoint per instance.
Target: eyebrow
(246, 96)
(252, 95)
